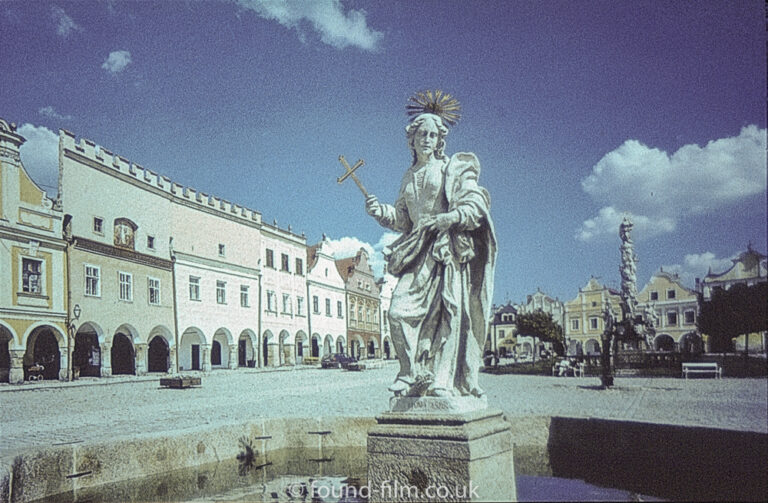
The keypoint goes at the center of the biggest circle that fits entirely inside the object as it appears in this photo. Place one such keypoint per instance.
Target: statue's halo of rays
(438, 102)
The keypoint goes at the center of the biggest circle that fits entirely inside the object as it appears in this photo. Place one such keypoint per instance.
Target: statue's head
(431, 122)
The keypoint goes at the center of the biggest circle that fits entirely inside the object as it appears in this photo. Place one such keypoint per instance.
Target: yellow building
(676, 310)
(584, 316)
(749, 268)
(33, 311)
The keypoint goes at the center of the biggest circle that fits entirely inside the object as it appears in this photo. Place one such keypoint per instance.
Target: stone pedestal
(441, 449)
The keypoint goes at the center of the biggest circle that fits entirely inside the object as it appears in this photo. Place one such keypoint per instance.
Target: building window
(299, 267)
(315, 304)
(151, 242)
(671, 293)
(501, 334)
(352, 311)
(574, 324)
(126, 286)
(221, 292)
(360, 314)
(31, 276)
(270, 258)
(384, 317)
(154, 291)
(339, 309)
(92, 280)
(654, 295)
(222, 250)
(328, 307)
(244, 296)
(300, 306)
(593, 323)
(672, 318)
(98, 225)
(287, 308)
(690, 317)
(194, 288)
(284, 262)
(271, 302)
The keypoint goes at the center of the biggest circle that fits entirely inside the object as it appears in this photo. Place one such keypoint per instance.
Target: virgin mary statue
(444, 259)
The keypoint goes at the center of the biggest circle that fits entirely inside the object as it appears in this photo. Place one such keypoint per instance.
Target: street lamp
(76, 311)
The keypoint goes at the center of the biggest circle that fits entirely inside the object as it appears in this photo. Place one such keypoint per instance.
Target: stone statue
(444, 260)
(628, 269)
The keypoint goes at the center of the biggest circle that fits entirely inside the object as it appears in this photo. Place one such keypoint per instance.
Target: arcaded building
(33, 271)
(363, 325)
(327, 301)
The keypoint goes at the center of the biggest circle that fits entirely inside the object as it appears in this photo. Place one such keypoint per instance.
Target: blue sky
(580, 113)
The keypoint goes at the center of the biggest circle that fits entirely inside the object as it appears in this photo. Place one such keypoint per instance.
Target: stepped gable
(104, 160)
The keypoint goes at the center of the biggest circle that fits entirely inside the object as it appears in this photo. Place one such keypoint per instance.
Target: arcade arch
(46, 346)
(664, 342)
(190, 352)
(87, 352)
(246, 356)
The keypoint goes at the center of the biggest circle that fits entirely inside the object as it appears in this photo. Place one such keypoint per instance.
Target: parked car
(336, 361)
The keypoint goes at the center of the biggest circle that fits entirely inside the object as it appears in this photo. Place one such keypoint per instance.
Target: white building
(284, 326)
(120, 271)
(33, 301)
(327, 301)
(215, 250)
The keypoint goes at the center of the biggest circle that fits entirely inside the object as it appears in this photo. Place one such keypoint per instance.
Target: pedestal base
(441, 457)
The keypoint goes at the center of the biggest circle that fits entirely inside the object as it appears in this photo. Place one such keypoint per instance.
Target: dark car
(336, 361)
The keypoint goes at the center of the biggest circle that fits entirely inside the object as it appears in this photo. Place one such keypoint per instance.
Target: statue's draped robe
(442, 302)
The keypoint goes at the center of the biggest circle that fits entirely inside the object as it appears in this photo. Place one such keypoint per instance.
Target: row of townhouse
(673, 307)
(128, 272)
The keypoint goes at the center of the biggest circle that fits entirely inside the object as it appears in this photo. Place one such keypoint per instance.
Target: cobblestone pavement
(92, 409)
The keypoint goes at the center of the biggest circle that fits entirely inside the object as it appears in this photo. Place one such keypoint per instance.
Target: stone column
(141, 359)
(288, 354)
(172, 360)
(272, 355)
(63, 364)
(206, 357)
(233, 356)
(437, 449)
(16, 373)
(106, 360)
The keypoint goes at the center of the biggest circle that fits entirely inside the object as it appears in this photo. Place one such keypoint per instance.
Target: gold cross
(350, 172)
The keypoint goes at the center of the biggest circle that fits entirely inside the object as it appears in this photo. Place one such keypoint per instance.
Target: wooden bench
(702, 368)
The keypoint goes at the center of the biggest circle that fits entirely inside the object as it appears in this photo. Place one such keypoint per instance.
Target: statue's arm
(470, 202)
(392, 217)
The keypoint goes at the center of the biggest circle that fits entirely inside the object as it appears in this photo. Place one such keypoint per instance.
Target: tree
(541, 325)
(740, 310)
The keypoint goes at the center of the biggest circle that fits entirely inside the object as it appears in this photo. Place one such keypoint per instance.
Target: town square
(480, 251)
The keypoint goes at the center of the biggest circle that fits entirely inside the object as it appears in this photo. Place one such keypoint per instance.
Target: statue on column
(444, 259)
(628, 268)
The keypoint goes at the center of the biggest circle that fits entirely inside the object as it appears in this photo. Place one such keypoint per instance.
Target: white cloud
(116, 61)
(328, 18)
(349, 246)
(697, 265)
(650, 184)
(51, 113)
(65, 25)
(40, 156)
(608, 220)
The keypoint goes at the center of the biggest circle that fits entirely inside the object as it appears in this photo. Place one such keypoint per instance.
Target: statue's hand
(373, 207)
(442, 221)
